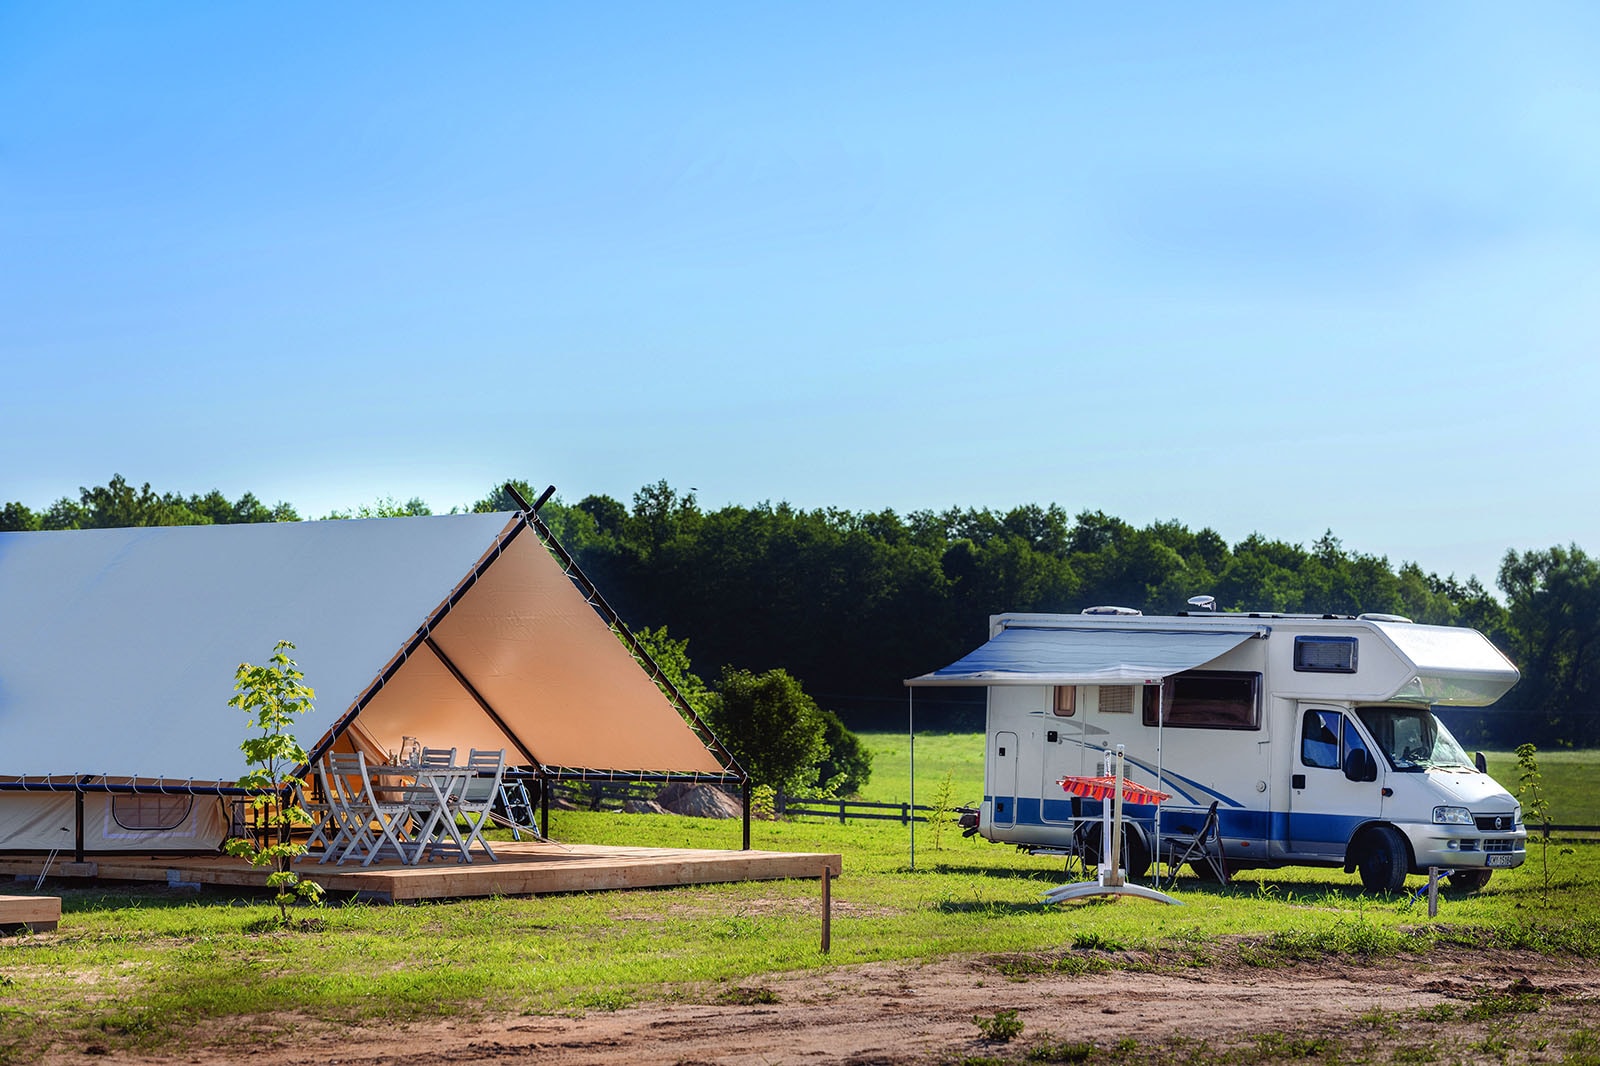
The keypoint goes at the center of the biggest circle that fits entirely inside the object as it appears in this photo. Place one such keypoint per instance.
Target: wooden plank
(526, 868)
(39, 913)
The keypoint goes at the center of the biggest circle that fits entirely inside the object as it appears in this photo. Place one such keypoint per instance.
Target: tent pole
(911, 737)
(1161, 720)
(746, 791)
(77, 796)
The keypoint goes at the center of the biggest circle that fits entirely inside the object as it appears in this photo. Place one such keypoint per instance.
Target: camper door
(1326, 806)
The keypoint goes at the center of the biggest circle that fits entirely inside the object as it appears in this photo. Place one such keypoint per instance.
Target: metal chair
(1195, 846)
(474, 801)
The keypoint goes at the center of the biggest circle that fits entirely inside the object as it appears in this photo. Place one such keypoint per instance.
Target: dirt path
(1452, 1007)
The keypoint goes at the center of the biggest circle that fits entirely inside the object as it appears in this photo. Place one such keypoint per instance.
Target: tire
(1384, 861)
(1470, 880)
(1135, 850)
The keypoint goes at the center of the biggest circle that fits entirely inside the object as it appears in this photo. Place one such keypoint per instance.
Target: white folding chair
(437, 757)
(474, 800)
(340, 776)
(321, 812)
(380, 820)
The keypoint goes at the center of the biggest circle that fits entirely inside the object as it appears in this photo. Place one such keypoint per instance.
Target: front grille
(1495, 823)
(1466, 845)
(1497, 845)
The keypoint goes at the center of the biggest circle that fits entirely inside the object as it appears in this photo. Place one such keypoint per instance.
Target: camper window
(1319, 739)
(1206, 699)
(1066, 700)
(140, 810)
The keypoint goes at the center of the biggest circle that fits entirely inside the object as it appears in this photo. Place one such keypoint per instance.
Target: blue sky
(1258, 269)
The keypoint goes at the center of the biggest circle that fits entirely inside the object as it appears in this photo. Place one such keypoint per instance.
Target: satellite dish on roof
(1203, 603)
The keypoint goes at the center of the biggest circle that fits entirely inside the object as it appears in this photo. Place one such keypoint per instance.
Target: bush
(771, 726)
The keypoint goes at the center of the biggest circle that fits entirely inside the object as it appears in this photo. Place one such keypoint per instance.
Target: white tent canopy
(118, 648)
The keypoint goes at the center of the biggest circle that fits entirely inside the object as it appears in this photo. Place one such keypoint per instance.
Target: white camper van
(1313, 735)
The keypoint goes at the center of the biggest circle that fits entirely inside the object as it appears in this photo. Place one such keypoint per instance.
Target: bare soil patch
(1448, 1006)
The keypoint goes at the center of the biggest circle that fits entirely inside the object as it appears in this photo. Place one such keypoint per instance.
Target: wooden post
(1433, 892)
(827, 908)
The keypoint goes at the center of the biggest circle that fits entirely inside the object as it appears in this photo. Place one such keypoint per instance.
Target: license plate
(1502, 860)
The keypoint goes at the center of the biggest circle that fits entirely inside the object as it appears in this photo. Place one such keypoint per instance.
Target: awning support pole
(911, 738)
(482, 703)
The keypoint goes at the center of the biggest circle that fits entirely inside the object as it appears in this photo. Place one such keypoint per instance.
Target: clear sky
(1279, 268)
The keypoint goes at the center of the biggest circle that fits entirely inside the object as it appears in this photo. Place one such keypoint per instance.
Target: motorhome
(1314, 736)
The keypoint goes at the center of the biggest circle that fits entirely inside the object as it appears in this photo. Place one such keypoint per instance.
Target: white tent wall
(47, 821)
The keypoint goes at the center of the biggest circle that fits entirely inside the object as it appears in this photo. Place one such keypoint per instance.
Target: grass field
(140, 970)
(1570, 778)
(144, 970)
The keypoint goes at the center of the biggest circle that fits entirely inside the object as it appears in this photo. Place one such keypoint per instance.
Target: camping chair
(475, 800)
(1195, 846)
(321, 812)
(376, 820)
(344, 806)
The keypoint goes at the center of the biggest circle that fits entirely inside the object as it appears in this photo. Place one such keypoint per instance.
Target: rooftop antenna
(1203, 603)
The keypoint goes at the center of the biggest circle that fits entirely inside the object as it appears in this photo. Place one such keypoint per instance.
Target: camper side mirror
(1359, 765)
(1480, 762)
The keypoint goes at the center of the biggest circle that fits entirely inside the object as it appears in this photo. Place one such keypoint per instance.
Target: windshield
(1413, 739)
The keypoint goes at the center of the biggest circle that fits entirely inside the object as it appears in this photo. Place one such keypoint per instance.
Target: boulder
(643, 807)
(700, 801)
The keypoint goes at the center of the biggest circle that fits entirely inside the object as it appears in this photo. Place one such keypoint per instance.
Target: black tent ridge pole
(614, 621)
(422, 633)
(483, 704)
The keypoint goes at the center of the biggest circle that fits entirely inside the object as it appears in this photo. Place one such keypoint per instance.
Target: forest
(852, 602)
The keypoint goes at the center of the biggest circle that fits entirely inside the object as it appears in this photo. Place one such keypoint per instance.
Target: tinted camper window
(1206, 699)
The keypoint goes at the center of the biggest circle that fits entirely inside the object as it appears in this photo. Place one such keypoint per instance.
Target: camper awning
(1025, 655)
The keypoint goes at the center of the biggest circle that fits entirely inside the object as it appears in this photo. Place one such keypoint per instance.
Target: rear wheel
(1383, 861)
(1470, 880)
(1135, 850)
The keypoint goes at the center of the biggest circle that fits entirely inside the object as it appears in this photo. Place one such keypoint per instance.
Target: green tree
(771, 726)
(1553, 603)
(272, 695)
(848, 765)
(17, 518)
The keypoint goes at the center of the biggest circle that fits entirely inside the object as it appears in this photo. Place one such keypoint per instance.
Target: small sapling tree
(1535, 807)
(272, 695)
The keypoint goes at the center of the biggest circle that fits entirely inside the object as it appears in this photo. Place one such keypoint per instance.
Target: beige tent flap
(539, 656)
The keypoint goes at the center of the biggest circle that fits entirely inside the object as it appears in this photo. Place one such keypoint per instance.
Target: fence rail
(789, 806)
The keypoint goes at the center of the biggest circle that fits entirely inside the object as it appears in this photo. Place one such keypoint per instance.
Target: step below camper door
(1326, 807)
(1003, 780)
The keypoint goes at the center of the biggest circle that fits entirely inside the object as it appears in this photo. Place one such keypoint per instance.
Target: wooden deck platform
(525, 868)
(38, 913)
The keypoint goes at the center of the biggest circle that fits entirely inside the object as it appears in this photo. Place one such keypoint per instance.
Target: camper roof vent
(1110, 610)
(1204, 603)
(1382, 618)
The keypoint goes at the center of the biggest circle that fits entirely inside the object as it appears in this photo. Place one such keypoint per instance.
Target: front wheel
(1470, 880)
(1383, 862)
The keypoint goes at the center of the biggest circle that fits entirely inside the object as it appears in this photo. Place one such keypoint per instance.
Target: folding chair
(378, 821)
(1195, 846)
(321, 812)
(344, 804)
(437, 757)
(475, 799)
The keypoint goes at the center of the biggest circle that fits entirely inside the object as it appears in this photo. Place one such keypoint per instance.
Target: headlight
(1516, 815)
(1452, 816)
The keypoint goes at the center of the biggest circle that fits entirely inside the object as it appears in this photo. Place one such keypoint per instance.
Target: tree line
(852, 602)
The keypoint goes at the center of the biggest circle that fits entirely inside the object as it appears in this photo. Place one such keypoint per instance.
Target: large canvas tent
(118, 648)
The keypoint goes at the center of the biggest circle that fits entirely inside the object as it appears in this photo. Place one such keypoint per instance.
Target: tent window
(146, 811)
(1116, 699)
(1066, 701)
(1207, 699)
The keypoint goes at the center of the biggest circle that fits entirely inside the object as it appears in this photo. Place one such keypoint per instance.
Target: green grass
(138, 970)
